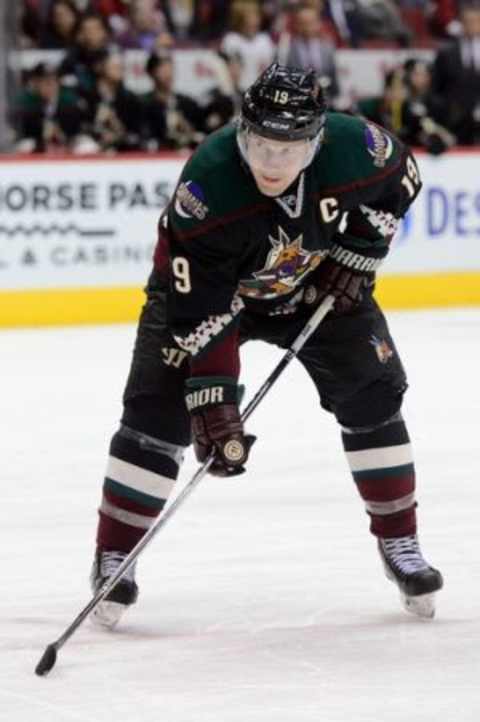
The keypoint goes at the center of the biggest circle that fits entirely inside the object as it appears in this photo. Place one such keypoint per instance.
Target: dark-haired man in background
(456, 78)
(171, 120)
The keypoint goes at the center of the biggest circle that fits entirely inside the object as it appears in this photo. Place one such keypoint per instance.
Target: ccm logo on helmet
(329, 209)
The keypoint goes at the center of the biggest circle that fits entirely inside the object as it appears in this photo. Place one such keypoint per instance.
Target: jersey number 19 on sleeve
(411, 179)
(181, 271)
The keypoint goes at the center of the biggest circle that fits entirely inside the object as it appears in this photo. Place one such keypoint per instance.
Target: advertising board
(77, 236)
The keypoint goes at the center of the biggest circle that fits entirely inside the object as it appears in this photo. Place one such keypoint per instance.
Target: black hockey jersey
(229, 247)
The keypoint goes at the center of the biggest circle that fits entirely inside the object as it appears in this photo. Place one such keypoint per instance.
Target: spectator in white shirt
(255, 49)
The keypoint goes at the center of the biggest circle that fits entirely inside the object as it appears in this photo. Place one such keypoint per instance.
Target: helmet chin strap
(316, 144)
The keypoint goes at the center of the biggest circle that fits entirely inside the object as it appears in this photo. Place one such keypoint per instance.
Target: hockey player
(270, 215)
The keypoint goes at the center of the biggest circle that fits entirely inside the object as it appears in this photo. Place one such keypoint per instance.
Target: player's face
(274, 163)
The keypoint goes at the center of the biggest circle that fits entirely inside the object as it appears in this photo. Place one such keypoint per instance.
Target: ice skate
(415, 578)
(109, 611)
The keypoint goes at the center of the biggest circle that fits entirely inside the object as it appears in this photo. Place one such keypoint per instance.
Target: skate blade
(107, 614)
(421, 606)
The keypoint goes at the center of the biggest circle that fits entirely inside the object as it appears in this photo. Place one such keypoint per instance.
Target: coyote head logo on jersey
(286, 265)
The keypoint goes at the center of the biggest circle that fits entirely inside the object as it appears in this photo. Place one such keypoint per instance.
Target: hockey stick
(49, 657)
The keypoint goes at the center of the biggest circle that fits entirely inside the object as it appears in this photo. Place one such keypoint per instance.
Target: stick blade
(47, 660)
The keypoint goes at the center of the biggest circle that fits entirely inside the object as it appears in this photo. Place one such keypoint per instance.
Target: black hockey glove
(213, 405)
(344, 274)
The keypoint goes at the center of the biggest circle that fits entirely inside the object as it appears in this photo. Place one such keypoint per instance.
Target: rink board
(77, 237)
(115, 305)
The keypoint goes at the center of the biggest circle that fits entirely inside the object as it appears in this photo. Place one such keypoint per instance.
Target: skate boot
(415, 578)
(108, 612)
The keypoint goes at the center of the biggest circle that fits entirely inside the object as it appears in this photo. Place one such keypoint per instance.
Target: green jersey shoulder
(229, 246)
(213, 186)
(354, 149)
(361, 165)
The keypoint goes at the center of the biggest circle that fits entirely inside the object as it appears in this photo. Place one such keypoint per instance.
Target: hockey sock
(381, 463)
(141, 473)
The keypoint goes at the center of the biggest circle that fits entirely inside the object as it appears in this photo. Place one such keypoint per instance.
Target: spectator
(29, 24)
(115, 13)
(423, 110)
(456, 78)
(115, 113)
(112, 7)
(224, 101)
(92, 39)
(409, 109)
(48, 116)
(346, 20)
(59, 30)
(363, 22)
(209, 19)
(172, 120)
(254, 48)
(84, 6)
(169, 9)
(443, 18)
(307, 47)
(386, 109)
(147, 28)
(275, 14)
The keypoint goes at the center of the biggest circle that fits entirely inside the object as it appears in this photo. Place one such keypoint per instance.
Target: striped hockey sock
(141, 473)
(381, 463)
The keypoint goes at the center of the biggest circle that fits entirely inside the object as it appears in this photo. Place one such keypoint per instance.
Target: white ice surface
(263, 600)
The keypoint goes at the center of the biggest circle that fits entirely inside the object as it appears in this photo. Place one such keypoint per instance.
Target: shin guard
(141, 473)
(381, 462)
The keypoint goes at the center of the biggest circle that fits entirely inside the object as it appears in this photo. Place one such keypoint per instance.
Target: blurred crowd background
(72, 94)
